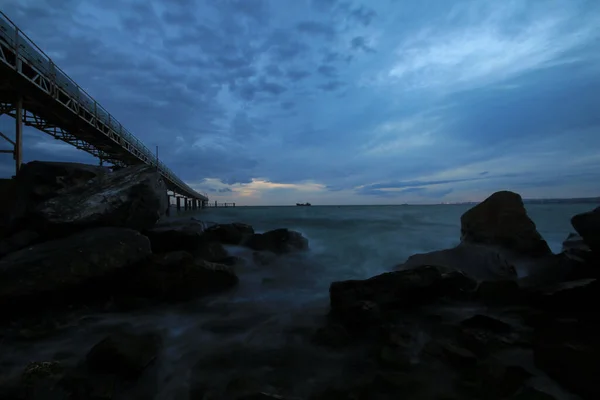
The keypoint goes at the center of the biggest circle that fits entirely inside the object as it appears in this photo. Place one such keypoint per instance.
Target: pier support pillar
(18, 155)
(178, 203)
(185, 203)
(204, 202)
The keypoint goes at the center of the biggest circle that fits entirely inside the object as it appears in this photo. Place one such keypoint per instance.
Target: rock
(569, 298)
(502, 220)
(332, 335)
(213, 252)
(178, 276)
(123, 355)
(569, 353)
(231, 261)
(78, 263)
(575, 248)
(450, 352)
(261, 396)
(529, 393)
(7, 188)
(493, 380)
(233, 234)
(499, 293)
(263, 258)
(38, 181)
(479, 321)
(176, 235)
(397, 290)
(278, 241)
(484, 335)
(588, 226)
(133, 197)
(478, 261)
(18, 241)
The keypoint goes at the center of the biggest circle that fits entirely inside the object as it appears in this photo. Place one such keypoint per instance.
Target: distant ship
(303, 205)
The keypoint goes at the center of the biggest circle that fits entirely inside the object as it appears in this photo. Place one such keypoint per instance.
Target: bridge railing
(26, 49)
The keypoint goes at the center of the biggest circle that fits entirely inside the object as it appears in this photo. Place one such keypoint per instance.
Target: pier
(37, 93)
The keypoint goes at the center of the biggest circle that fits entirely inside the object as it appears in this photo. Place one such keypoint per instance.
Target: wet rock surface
(502, 220)
(53, 269)
(133, 197)
(278, 241)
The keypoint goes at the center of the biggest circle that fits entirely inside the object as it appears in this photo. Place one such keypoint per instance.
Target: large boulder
(123, 354)
(570, 354)
(133, 197)
(7, 188)
(50, 271)
(357, 302)
(478, 261)
(38, 181)
(17, 241)
(177, 234)
(502, 220)
(179, 276)
(235, 233)
(278, 241)
(588, 226)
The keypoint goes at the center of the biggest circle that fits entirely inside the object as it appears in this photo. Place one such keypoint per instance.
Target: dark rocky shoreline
(77, 237)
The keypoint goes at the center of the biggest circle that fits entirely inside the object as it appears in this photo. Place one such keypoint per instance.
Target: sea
(261, 331)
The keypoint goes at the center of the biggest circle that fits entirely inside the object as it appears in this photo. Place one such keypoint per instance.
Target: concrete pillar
(178, 203)
(185, 203)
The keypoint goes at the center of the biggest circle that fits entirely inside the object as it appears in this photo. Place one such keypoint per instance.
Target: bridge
(36, 92)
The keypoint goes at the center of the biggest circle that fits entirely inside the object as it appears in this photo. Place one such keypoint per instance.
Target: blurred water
(262, 326)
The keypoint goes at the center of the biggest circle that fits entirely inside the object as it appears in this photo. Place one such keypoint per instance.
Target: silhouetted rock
(133, 197)
(123, 355)
(18, 241)
(588, 226)
(569, 353)
(52, 269)
(569, 298)
(575, 248)
(499, 292)
(492, 379)
(278, 241)
(396, 290)
(502, 220)
(177, 234)
(478, 261)
(179, 276)
(38, 181)
(235, 233)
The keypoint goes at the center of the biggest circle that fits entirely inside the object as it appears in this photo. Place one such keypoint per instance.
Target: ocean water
(262, 328)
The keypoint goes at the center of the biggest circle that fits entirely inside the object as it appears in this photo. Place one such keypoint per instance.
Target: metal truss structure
(37, 93)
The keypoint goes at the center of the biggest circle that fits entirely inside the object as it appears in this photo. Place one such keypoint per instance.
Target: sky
(275, 102)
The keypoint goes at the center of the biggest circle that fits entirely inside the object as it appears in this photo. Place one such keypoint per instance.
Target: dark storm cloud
(363, 14)
(316, 29)
(328, 71)
(331, 86)
(360, 43)
(297, 75)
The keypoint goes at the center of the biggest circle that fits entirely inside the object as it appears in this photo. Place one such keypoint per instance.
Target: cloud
(316, 28)
(483, 43)
(360, 43)
(272, 102)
